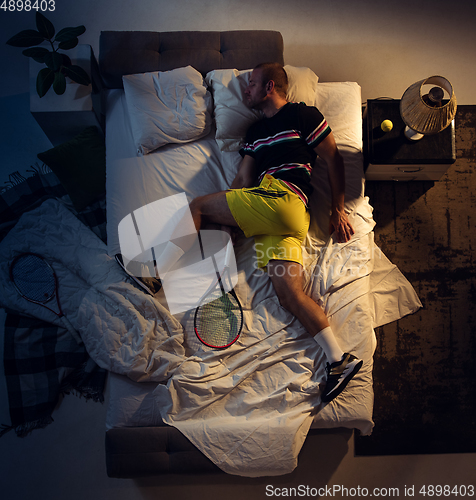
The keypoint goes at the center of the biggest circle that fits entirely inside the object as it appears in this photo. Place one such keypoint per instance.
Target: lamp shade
(427, 118)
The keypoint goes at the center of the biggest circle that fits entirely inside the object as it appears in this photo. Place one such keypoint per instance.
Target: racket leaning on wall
(218, 319)
(36, 281)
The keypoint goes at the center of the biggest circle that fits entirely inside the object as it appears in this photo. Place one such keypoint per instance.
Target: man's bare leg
(287, 279)
(212, 208)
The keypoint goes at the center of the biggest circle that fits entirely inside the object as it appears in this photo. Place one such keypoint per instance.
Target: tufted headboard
(129, 52)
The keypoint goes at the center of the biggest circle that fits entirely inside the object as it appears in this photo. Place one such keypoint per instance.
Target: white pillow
(341, 105)
(302, 85)
(167, 107)
(232, 115)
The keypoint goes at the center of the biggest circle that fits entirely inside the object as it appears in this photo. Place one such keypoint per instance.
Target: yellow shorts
(275, 216)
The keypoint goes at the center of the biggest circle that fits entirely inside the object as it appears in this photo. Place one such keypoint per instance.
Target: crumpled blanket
(249, 407)
(41, 362)
(124, 330)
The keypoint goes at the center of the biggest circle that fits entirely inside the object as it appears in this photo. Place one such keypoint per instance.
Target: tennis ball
(386, 125)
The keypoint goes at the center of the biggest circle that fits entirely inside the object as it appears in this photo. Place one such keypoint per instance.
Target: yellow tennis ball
(386, 125)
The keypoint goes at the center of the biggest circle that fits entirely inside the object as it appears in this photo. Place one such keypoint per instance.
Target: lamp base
(412, 135)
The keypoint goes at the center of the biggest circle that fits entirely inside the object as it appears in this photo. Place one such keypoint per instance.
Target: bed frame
(146, 451)
(128, 52)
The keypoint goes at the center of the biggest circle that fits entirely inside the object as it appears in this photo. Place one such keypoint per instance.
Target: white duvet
(247, 408)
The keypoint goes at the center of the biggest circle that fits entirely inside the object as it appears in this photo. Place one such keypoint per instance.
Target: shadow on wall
(383, 69)
(21, 136)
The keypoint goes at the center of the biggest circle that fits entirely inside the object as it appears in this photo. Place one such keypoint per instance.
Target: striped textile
(39, 355)
(321, 131)
(285, 145)
(288, 167)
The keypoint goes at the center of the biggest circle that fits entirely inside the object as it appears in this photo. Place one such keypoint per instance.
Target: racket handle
(229, 249)
(71, 329)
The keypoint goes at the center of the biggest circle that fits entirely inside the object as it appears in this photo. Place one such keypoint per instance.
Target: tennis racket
(219, 317)
(36, 281)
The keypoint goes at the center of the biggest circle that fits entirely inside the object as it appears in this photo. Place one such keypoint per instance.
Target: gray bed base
(133, 452)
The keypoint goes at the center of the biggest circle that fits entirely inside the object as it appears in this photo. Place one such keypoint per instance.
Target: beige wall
(383, 47)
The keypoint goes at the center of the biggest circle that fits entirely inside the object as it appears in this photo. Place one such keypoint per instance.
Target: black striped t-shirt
(283, 145)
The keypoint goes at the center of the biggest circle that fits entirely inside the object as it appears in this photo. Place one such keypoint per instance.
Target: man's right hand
(339, 223)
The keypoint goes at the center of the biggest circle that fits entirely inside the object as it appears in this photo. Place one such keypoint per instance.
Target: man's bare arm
(246, 173)
(339, 222)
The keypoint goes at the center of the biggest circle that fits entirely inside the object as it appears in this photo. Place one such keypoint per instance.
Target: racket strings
(34, 278)
(219, 321)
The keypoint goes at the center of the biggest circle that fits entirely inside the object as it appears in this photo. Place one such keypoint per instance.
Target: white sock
(168, 258)
(325, 338)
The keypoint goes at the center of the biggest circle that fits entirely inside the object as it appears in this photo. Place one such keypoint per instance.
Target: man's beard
(257, 103)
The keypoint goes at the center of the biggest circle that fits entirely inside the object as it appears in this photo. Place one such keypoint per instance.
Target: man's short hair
(275, 72)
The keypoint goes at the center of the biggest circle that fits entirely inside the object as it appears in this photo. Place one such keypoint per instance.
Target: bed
(174, 404)
(345, 279)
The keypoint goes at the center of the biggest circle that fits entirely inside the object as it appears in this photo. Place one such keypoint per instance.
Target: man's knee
(212, 208)
(196, 204)
(286, 301)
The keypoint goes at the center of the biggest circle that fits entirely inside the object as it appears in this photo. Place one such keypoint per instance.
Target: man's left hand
(341, 225)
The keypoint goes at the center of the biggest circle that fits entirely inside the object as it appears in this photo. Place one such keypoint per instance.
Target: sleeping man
(268, 200)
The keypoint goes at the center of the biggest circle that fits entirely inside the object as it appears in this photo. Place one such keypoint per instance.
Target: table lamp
(427, 114)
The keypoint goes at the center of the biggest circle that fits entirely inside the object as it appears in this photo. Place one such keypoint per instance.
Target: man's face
(255, 92)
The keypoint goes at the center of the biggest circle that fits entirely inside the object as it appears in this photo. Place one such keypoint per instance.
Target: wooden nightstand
(62, 117)
(391, 156)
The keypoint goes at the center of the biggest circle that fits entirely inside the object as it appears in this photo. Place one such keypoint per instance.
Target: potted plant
(58, 65)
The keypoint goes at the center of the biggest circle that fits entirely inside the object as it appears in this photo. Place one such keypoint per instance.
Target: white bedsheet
(249, 408)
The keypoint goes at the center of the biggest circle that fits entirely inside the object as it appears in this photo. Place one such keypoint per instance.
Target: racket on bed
(219, 317)
(36, 281)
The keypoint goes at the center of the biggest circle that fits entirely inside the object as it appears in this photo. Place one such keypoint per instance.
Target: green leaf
(59, 84)
(66, 34)
(44, 80)
(66, 60)
(45, 27)
(36, 53)
(26, 38)
(53, 60)
(69, 44)
(77, 74)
